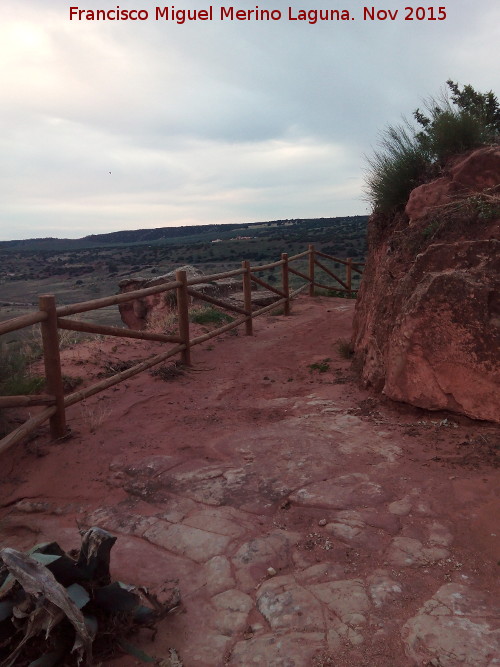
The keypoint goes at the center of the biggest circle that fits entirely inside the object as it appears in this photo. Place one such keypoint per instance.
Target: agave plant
(60, 610)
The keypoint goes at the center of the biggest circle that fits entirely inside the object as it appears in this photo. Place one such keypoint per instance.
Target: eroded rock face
(474, 172)
(139, 313)
(427, 322)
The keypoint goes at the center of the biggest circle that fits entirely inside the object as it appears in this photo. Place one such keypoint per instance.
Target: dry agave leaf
(43, 617)
(95, 553)
(38, 580)
(45, 591)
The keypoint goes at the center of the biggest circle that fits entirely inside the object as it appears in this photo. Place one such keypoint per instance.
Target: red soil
(255, 412)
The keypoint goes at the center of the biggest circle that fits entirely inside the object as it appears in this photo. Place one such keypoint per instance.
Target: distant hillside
(161, 235)
(91, 267)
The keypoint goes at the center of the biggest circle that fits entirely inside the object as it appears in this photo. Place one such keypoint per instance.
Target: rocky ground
(306, 522)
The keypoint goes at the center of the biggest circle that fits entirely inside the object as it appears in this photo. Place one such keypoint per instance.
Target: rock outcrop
(139, 313)
(427, 321)
(152, 310)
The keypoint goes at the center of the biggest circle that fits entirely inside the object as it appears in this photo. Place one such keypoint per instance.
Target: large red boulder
(427, 320)
(153, 310)
(475, 172)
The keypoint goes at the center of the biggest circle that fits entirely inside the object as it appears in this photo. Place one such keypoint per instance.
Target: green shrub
(344, 348)
(321, 366)
(452, 132)
(340, 294)
(409, 156)
(395, 170)
(209, 315)
(15, 376)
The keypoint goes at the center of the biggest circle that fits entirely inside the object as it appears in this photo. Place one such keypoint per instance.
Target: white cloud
(213, 122)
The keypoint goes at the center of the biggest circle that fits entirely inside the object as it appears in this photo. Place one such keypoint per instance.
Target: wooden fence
(52, 318)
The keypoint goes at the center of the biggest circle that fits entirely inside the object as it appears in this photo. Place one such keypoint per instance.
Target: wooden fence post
(348, 273)
(247, 293)
(311, 270)
(52, 362)
(284, 282)
(183, 316)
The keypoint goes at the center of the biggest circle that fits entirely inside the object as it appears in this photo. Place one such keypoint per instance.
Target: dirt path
(307, 522)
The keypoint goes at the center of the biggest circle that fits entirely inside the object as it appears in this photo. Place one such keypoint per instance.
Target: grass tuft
(339, 294)
(168, 372)
(16, 378)
(344, 348)
(394, 170)
(321, 366)
(209, 315)
(409, 156)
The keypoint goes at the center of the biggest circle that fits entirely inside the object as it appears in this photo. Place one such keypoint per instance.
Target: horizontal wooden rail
(88, 327)
(298, 273)
(81, 395)
(52, 318)
(26, 401)
(334, 259)
(299, 256)
(266, 285)
(272, 306)
(84, 306)
(216, 302)
(219, 331)
(21, 322)
(214, 277)
(331, 288)
(266, 267)
(330, 273)
(25, 429)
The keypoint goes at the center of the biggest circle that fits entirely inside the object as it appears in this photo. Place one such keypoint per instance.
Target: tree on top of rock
(458, 121)
(455, 125)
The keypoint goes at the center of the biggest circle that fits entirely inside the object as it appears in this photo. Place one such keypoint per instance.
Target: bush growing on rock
(410, 156)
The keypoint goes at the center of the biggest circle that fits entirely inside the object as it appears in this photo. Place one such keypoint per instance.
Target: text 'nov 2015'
(180, 16)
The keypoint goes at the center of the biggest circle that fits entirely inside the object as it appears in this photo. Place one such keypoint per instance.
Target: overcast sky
(110, 125)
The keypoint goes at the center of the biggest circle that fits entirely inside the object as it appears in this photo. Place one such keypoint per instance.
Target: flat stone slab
(116, 521)
(457, 626)
(220, 520)
(408, 551)
(286, 604)
(198, 545)
(291, 650)
(231, 613)
(347, 491)
(350, 528)
(383, 588)
(348, 599)
(253, 558)
(218, 575)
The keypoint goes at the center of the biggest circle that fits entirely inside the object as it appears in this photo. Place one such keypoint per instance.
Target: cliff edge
(427, 321)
